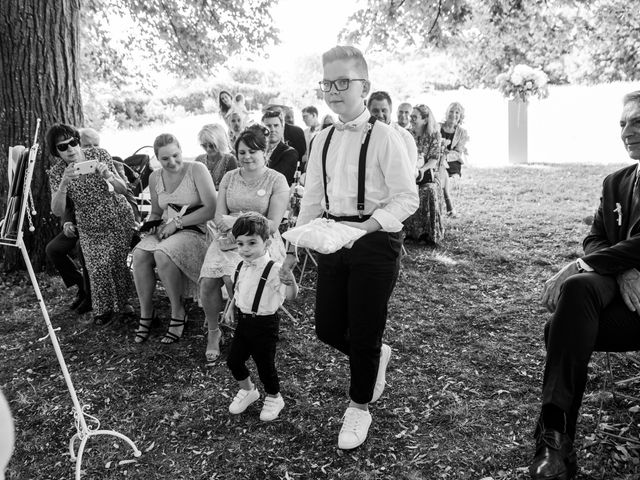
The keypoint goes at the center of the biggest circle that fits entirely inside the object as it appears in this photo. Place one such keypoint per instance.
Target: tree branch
(436, 19)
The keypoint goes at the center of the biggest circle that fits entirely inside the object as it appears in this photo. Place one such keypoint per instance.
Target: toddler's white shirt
(274, 291)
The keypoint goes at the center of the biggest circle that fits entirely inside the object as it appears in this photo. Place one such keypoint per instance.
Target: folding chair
(20, 204)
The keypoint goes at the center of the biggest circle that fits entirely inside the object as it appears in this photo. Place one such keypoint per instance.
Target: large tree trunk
(39, 53)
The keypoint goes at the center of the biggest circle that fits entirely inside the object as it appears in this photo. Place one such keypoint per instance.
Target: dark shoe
(103, 319)
(175, 323)
(80, 297)
(555, 456)
(144, 328)
(84, 307)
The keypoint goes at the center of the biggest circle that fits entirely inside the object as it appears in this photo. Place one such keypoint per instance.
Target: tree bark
(39, 54)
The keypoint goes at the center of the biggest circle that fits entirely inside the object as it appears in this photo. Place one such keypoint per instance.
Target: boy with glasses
(358, 174)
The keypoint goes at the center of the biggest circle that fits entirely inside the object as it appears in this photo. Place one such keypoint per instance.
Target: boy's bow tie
(346, 126)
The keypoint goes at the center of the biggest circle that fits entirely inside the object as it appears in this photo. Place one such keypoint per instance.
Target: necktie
(351, 127)
(634, 214)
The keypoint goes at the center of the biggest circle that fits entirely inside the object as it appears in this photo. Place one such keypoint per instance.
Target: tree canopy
(188, 37)
(572, 40)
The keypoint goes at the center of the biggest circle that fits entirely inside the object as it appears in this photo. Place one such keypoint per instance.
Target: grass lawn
(465, 325)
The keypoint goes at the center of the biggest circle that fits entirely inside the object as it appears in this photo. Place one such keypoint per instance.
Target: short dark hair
(380, 95)
(273, 114)
(60, 132)
(251, 223)
(311, 109)
(254, 137)
(633, 97)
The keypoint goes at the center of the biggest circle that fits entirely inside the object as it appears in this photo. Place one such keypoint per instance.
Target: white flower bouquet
(522, 82)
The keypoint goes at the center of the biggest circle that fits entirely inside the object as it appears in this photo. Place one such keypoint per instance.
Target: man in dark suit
(59, 251)
(595, 302)
(293, 135)
(281, 157)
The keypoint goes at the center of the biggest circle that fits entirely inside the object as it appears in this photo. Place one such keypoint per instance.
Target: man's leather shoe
(77, 301)
(555, 456)
(84, 306)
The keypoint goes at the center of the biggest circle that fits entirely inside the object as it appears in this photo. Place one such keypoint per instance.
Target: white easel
(83, 431)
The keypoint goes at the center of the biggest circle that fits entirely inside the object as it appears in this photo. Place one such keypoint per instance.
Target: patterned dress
(426, 222)
(105, 227)
(221, 164)
(243, 196)
(186, 248)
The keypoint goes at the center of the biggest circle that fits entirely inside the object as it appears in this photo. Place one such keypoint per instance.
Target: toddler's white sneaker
(271, 408)
(243, 399)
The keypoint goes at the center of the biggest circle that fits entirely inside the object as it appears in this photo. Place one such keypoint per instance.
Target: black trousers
(590, 316)
(58, 250)
(353, 290)
(256, 337)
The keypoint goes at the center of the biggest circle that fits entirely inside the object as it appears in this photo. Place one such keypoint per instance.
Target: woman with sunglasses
(104, 218)
(219, 160)
(251, 188)
(426, 223)
(455, 140)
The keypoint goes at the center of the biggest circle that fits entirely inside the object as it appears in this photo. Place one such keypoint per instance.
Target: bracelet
(178, 221)
(64, 225)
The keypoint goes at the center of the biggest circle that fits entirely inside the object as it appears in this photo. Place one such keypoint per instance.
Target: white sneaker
(271, 408)
(381, 379)
(355, 426)
(243, 399)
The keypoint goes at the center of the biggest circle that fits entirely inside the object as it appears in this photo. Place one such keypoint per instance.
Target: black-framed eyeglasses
(62, 147)
(340, 84)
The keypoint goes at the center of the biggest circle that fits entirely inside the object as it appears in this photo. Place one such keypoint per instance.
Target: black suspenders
(362, 167)
(261, 284)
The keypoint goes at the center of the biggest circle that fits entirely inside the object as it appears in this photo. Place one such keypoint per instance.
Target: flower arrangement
(521, 82)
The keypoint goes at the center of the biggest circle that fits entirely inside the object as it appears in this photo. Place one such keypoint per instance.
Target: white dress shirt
(245, 289)
(391, 194)
(410, 143)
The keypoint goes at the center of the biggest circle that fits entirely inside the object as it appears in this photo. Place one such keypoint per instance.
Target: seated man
(59, 251)
(595, 303)
(280, 157)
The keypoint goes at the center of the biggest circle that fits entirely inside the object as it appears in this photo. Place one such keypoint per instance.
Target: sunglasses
(208, 146)
(62, 147)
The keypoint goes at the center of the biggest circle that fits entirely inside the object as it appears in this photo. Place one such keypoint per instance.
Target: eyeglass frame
(334, 84)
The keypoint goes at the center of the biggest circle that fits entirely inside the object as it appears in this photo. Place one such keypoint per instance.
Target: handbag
(174, 210)
(428, 176)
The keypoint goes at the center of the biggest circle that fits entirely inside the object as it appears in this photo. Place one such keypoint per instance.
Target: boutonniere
(618, 212)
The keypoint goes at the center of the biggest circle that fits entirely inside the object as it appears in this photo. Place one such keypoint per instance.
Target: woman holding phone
(183, 199)
(104, 219)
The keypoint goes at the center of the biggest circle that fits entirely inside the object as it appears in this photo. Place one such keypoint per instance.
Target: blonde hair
(216, 134)
(347, 52)
(425, 112)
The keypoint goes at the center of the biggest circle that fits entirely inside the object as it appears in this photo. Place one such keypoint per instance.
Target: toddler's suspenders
(261, 284)
(362, 166)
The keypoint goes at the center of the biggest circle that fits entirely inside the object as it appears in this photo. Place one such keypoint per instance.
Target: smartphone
(85, 168)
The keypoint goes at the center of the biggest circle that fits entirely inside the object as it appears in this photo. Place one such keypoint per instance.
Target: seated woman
(251, 188)
(219, 160)
(455, 140)
(178, 245)
(104, 219)
(426, 222)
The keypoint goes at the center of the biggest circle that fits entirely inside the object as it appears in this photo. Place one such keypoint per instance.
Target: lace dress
(185, 248)
(243, 196)
(105, 227)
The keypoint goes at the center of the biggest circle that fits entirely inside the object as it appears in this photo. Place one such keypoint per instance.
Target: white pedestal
(518, 147)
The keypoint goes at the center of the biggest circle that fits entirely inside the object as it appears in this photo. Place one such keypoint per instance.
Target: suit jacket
(284, 159)
(294, 136)
(607, 248)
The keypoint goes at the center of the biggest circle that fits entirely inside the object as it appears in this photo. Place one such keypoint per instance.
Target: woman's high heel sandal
(171, 337)
(142, 333)
(214, 339)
